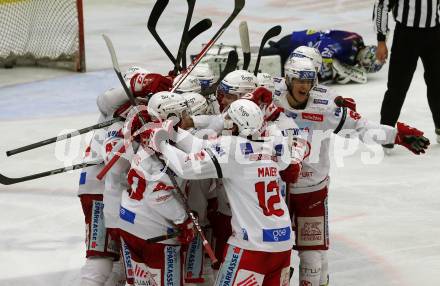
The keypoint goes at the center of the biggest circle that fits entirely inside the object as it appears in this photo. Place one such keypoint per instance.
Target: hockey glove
(143, 84)
(291, 174)
(164, 134)
(261, 96)
(186, 230)
(345, 102)
(411, 138)
(272, 112)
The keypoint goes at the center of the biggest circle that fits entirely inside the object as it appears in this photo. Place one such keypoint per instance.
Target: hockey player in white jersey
(149, 209)
(101, 247)
(312, 107)
(260, 245)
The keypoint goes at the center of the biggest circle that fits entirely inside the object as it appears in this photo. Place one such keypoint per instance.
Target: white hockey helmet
(238, 83)
(204, 74)
(266, 80)
(190, 84)
(196, 102)
(164, 104)
(366, 58)
(247, 116)
(131, 71)
(300, 68)
(310, 53)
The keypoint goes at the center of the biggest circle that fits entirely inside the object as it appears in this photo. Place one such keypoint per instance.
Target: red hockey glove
(142, 84)
(164, 133)
(411, 138)
(260, 96)
(291, 174)
(271, 112)
(345, 102)
(186, 230)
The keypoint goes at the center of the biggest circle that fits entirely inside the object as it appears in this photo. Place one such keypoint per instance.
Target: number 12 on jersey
(268, 197)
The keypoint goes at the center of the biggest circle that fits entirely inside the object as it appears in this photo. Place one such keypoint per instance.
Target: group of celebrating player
(252, 161)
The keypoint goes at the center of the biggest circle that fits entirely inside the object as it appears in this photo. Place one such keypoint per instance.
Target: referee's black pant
(408, 45)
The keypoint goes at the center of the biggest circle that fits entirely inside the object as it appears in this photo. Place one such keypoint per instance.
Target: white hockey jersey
(88, 183)
(315, 125)
(250, 172)
(116, 178)
(148, 207)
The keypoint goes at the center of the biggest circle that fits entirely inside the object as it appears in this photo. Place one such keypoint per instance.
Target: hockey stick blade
(184, 39)
(157, 11)
(239, 5)
(245, 44)
(62, 137)
(193, 33)
(273, 32)
(10, 181)
(230, 66)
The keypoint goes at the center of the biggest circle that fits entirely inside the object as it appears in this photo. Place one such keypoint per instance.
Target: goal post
(48, 33)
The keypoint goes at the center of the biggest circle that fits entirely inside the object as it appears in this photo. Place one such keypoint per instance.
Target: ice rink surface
(384, 213)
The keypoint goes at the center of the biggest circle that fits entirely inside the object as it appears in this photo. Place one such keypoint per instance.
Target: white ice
(384, 217)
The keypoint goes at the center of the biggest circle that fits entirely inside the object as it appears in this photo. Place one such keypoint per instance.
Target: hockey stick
(193, 33)
(163, 237)
(245, 44)
(273, 32)
(131, 97)
(239, 5)
(157, 11)
(184, 41)
(230, 66)
(63, 137)
(10, 181)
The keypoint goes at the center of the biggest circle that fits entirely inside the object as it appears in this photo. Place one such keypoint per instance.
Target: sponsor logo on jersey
(96, 219)
(338, 111)
(246, 148)
(232, 260)
(218, 149)
(171, 269)
(245, 234)
(112, 134)
(82, 178)
(279, 150)
(145, 276)
(291, 114)
(277, 79)
(162, 187)
(127, 215)
(319, 89)
(320, 101)
(191, 256)
(312, 116)
(248, 278)
(311, 231)
(277, 93)
(276, 234)
(262, 157)
(127, 259)
(160, 199)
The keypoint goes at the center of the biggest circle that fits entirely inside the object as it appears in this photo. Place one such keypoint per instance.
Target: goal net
(45, 33)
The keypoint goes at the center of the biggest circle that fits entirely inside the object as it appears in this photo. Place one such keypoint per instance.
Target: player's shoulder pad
(322, 98)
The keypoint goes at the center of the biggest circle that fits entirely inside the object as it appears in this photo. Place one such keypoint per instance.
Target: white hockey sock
(309, 267)
(117, 276)
(96, 271)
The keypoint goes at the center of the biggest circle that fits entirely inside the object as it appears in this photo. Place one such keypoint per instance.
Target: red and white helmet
(310, 53)
(238, 83)
(196, 102)
(164, 104)
(204, 74)
(266, 80)
(131, 71)
(247, 116)
(190, 84)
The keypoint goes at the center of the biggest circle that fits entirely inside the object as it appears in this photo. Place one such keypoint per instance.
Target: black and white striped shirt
(409, 13)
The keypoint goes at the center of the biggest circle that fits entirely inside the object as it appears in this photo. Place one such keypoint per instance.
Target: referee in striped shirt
(417, 35)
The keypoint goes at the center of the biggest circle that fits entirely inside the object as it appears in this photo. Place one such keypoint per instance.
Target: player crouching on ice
(318, 113)
(259, 248)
